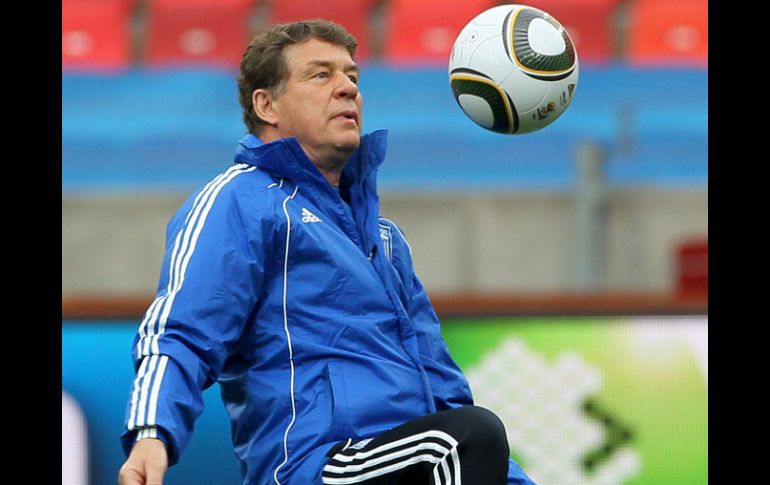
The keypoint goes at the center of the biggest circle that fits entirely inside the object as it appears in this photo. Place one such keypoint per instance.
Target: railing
(455, 304)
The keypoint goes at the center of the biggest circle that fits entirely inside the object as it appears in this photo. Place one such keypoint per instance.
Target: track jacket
(314, 324)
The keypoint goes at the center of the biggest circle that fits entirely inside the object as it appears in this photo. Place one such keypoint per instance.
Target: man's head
(300, 80)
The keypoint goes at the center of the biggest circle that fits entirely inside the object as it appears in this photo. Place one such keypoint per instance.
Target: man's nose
(346, 87)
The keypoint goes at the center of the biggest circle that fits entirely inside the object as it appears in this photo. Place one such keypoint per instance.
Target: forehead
(314, 51)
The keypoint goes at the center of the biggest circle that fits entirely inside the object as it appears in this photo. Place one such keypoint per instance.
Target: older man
(282, 282)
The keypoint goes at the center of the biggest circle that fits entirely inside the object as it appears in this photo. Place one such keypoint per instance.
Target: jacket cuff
(152, 432)
(157, 433)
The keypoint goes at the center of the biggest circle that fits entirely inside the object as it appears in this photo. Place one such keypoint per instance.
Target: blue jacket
(314, 324)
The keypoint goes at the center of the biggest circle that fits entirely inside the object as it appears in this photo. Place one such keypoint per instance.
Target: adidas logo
(308, 216)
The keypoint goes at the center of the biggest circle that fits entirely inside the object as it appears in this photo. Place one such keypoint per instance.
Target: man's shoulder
(240, 186)
(243, 180)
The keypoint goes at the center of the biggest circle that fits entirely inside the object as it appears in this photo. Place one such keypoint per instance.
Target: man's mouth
(347, 115)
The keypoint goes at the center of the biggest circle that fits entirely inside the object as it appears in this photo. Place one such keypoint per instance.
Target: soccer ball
(513, 69)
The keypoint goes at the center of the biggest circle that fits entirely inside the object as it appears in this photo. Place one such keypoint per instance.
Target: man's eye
(322, 75)
(353, 79)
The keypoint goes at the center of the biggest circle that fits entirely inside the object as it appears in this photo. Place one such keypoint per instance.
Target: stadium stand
(198, 32)
(422, 32)
(96, 34)
(668, 32)
(353, 14)
(188, 121)
(646, 105)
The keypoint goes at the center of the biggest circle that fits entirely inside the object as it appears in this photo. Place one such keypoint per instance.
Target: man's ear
(264, 106)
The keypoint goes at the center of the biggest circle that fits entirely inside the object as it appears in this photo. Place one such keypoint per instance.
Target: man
(282, 282)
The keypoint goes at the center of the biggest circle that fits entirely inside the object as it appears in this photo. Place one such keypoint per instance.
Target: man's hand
(146, 464)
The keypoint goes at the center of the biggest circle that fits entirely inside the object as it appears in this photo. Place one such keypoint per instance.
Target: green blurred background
(650, 378)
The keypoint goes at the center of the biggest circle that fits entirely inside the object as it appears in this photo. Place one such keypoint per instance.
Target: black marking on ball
(514, 113)
(491, 95)
(465, 70)
(505, 34)
(549, 78)
(533, 60)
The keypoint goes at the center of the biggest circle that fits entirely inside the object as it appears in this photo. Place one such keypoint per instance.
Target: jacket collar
(285, 158)
(358, 184)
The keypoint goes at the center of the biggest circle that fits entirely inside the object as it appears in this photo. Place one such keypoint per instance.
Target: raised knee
(486, 426)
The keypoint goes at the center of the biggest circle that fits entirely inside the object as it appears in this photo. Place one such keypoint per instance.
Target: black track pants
(465, 446)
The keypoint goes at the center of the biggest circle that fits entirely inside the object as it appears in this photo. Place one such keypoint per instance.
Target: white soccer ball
(513, 69)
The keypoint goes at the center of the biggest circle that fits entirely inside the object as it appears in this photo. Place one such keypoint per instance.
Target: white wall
(520, 241)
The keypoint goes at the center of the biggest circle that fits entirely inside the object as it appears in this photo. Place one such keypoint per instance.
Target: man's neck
(332, 175)
(330, 165)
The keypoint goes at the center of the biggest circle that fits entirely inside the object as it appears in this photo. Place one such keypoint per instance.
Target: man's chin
(349, 144)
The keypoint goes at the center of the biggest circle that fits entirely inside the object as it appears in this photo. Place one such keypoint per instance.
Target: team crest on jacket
(386, 237)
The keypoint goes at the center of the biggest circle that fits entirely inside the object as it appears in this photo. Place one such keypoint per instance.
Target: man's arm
(210, 280)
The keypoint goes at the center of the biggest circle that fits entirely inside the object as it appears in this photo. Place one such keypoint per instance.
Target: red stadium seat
(668, 32)
(351, 14)
(692, 259)
(423, 31)
(96, 34)
(208, 32)
(589, 23)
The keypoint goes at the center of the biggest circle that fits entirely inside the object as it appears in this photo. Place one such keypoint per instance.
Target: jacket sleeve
(210, 280)
(517, 476)
(448, 383)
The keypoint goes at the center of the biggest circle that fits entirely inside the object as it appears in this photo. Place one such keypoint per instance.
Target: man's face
(320, 104)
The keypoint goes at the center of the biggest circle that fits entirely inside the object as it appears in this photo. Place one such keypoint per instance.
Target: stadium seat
(590, 24)
(693, 267)
(423, 31)
(96, 34)
(668, 33)
(352, 14)
(198, 32)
